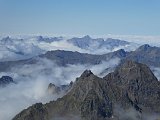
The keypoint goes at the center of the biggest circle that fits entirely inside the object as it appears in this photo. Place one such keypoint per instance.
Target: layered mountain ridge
(132, 86)
(26, 47)
(144, 54)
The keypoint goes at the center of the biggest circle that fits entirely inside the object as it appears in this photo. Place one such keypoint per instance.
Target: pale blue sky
(80, 17)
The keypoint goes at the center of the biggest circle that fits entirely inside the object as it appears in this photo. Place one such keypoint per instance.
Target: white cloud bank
(32, 82)
(22, 48)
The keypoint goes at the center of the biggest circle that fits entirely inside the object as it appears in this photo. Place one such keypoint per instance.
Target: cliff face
(131, 86)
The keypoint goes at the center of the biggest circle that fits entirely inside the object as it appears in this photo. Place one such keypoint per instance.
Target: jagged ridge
(132, 85)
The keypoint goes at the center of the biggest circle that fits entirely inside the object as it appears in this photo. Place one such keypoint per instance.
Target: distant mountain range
(17, 49)
(131, 89)
(100, 45)
(132, 86)
(144, 54)
(62, 58)
(23, 48)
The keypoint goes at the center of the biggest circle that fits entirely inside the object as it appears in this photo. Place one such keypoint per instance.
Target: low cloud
(22, 48)
(32, 83)
(33, 79)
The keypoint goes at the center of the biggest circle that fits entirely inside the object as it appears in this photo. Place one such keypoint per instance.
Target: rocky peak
(6, 80)
(87, 37)
(132, 85)
(133, 71)
(71, 83)
(53, 89)
(144, 47)
(86, 73)
(121, 52)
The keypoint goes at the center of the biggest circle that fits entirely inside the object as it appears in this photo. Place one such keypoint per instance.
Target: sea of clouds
(33, 80)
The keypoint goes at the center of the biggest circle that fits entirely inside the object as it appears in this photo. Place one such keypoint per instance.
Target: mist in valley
(32, 80)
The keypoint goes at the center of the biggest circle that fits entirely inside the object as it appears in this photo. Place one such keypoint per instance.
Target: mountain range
(144, 54)
(90, 44)
(23, 48)
(129, 92)
(132, 86)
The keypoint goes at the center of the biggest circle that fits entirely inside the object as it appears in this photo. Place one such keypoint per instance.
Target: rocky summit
(131, 92)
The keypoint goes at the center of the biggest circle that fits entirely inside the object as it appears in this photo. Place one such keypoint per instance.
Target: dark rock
(86, 73)
(36, 112)
(132, 85)
(5, 80)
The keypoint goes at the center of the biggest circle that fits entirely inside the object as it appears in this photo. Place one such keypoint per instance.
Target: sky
(80, 17)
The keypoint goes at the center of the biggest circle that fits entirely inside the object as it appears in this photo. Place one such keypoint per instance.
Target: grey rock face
(131, 85)
(36, 112)
(53, 89)
(139, 85)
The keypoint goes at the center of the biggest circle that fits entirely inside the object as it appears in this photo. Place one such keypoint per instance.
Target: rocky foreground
(131, 92)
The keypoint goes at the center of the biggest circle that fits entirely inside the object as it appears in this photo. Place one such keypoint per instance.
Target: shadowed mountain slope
(62, 58)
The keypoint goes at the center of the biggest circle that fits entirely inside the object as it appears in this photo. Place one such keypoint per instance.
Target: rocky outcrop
(6, 80)
(53, 89)
(89, 43)
(131, 86)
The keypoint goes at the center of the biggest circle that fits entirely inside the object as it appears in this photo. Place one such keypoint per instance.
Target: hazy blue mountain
(48, 39)
(22, 48)
(100, 45)
(146, 54)
(62, 58)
